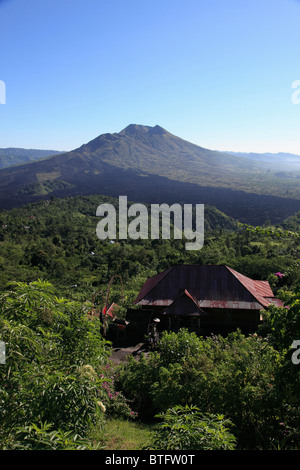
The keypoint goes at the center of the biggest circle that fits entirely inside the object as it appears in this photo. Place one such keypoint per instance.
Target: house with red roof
(207, 299)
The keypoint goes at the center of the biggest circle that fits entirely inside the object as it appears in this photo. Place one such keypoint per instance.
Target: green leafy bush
(186, 428)
(235, 376)
(116, 404)
(44, 380)
(175, 347)
(44, 437)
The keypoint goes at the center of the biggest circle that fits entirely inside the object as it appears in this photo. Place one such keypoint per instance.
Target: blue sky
(217, 73)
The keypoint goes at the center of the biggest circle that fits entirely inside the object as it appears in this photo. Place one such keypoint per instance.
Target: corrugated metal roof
(113, 310)
(211, 286)
(150, 283)
(259, 289)
(185, 305)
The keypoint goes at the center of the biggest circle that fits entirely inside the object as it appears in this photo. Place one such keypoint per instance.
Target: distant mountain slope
(15, 156)
(281, 160)
(148, 164)
(153, 150)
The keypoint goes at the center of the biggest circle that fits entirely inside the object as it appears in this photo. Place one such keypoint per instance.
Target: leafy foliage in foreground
(243, 378)
(44, 437)
(51, 380)
(186, 428)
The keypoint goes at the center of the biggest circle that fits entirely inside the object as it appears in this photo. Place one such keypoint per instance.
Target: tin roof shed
(209, 286)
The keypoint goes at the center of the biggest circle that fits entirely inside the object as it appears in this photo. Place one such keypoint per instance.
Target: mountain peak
(134, 129)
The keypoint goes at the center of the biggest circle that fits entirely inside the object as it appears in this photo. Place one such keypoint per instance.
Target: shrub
(174, 347)
(116, 405)
(235, 376)
(186, 428)
(44, 437)
(43, 379)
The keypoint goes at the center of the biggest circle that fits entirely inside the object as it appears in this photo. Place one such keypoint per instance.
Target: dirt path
(120, 355)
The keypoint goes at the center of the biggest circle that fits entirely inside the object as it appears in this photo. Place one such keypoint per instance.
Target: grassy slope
(119, 434)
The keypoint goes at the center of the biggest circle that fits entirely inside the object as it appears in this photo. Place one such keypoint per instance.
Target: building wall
(217, 321)
(225, 320)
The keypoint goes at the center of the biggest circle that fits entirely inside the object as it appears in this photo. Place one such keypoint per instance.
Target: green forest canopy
(56, 241)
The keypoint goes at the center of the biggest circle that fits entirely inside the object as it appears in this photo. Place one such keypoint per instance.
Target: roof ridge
(186, 292)
(250, 288)
(144, 291)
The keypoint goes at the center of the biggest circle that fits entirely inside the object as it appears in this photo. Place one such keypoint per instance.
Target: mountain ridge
(149, 164)
(280, 160)
(156, 141)
(17, 156)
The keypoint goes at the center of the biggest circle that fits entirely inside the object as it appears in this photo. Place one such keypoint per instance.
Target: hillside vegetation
(56, 240)
(58, 387)
(17, 156)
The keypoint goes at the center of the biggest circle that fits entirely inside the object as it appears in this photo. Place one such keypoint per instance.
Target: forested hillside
(56, 240)
(59, 389)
